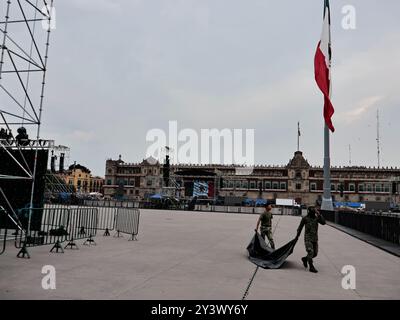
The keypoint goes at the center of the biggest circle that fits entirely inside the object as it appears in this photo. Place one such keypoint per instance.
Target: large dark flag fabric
(265, 257)
(322, 66)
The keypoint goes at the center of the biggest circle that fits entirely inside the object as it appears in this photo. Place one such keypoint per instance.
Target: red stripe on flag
(322, 79)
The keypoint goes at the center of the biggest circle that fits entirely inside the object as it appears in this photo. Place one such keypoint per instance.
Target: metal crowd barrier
(3, 231)
(111, 203)
(380, 225)
(127, 221)
(82, 225)
(106, 219)
(106, 215)
(231, 209)
(3, 240)
(48, 226)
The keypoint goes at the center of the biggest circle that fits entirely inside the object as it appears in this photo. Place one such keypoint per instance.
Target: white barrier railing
(246, 210)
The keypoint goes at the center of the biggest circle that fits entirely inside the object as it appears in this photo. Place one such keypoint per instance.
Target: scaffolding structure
(25, 28)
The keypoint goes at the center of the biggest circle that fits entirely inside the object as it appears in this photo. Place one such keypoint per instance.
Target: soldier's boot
(312, 268)
(304, 259)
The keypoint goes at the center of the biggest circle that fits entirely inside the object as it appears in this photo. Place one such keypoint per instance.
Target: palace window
(245, 184)
(333, 187)
(252, 184)
(387, 187)
(283, 185)
(298, 186)
(275, 185)
(352, 187)
(267, 185)
(378, 187)
(369, 187)
(361, 187)
(313, 186)
(230, 184)
(238, 184)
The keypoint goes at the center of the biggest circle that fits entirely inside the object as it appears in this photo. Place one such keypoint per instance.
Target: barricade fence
(3, 230)
(247, 210)
(127, 221)
(3, 240)
(381, 225)
(48, 226)
(58, 223)
(106, 215)
(83, 223)
(111, 203)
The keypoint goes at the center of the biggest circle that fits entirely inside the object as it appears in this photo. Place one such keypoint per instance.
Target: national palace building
(297, 180)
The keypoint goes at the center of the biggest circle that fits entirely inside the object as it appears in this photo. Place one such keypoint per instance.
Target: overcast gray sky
(119, 68)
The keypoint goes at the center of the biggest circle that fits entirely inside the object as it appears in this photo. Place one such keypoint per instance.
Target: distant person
(310, 221)
(3, 134)
(22, 137)
(265, 220)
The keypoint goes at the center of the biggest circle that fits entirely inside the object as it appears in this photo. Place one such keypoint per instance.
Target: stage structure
(25, 28)
(186, 184)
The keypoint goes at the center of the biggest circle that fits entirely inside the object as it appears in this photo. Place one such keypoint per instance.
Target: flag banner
(322, 66)
(265, 257)
(200, 188)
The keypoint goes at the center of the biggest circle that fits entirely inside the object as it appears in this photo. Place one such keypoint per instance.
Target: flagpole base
(327, 204)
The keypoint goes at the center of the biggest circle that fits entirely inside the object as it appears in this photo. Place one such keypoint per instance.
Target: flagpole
(298, 136)
(327, 204)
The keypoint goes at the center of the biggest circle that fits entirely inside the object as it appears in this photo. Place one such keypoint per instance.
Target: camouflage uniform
(311, 234)
(266, 227)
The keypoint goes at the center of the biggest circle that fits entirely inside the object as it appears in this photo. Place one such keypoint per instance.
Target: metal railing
(49, 226)
(105, 219)
(247, 210)
(3, 240)
(381, 225)
(127, 221)
(111, 203)
(83, 223)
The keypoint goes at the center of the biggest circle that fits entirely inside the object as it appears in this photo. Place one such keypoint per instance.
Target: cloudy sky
(119, 68)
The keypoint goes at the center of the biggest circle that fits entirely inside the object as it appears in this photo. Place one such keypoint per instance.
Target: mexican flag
(322, 66)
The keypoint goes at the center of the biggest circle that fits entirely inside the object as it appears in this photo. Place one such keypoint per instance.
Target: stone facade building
(297, 180)
(80, 178)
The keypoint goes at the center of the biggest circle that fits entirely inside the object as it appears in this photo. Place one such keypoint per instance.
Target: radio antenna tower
(350, 155)
(378, 139)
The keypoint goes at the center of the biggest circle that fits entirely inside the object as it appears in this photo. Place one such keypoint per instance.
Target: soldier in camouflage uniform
(310, 221)
(266, 225)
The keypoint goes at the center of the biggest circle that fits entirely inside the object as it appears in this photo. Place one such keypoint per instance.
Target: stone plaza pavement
(200, 256)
